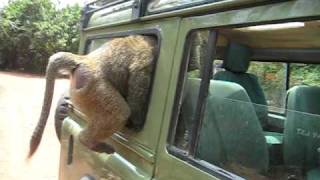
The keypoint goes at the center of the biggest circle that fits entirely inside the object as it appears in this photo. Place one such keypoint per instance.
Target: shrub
(33, 30)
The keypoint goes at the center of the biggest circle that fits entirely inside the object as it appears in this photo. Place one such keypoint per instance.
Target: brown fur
(108, 85)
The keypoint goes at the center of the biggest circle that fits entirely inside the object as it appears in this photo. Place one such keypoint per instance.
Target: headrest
(304, 99)
(237, 58)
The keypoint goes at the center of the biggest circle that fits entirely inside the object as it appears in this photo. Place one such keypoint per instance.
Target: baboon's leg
(81, 77)
(138, 88)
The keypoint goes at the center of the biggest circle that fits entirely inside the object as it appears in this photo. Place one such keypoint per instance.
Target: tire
(61, 113)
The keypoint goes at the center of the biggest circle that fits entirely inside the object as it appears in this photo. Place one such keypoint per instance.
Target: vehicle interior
(261, 114)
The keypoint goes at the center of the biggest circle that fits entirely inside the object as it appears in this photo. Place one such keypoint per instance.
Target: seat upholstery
(302, 127)
(236, 63)
(230, 132)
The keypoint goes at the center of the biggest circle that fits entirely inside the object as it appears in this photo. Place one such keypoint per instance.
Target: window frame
(150, 32)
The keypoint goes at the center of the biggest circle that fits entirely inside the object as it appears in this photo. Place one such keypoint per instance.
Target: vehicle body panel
(286, 11)
(138, 148)
(145, 155)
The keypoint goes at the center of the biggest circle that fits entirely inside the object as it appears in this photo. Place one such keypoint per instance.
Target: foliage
(33, 30)
(304, 74)
(272, 77)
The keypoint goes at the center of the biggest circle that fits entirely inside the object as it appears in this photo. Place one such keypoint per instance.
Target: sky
(60, 3)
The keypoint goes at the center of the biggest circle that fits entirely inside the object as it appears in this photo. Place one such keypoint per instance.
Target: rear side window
(272, 78)
(304, 74)
(277, 78)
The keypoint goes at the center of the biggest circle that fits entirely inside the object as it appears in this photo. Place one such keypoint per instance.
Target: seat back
(236, 63)
(230, 132)
(302, 127)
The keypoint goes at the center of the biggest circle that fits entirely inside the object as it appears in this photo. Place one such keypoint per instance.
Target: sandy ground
(20, 104)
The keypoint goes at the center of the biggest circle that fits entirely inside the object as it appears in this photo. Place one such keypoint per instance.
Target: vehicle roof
(283, 42)
(284, 35)
(299, 43)
(112, 12)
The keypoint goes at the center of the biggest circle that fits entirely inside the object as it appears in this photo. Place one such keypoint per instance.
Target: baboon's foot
(103, 148)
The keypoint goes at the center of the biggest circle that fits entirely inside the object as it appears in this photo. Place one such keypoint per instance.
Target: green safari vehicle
(235, 92)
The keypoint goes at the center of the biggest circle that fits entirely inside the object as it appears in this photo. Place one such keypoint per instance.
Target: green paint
(144, 155)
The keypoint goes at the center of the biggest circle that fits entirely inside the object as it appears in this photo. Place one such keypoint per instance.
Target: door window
(221, 118)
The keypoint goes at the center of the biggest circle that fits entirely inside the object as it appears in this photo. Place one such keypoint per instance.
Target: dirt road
(20, 104)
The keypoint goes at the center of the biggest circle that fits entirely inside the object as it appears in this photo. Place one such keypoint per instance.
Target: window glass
(272, 78)
(304, 74)
(96, 43)
(217, 66)
(156, 5)
(108, 12)
(230, 128)
(231, 136)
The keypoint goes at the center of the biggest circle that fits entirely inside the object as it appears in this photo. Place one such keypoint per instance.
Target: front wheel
(61, 113)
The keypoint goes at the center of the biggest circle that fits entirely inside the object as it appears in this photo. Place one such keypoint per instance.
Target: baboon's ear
(80, 77)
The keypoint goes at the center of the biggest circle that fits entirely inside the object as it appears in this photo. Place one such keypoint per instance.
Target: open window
(96, 42)
(223, 101)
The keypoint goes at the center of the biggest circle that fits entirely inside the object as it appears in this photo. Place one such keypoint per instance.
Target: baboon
(109, 86)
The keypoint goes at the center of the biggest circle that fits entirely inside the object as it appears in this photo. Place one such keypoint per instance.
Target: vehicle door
(135, 150)
(177, 156)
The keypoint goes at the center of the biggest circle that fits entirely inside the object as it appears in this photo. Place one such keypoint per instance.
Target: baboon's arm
(57, 62)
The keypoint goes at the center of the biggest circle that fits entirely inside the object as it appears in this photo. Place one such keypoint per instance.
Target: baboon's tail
(58, 61)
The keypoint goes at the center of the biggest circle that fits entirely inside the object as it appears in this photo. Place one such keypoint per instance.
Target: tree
(33, 30)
